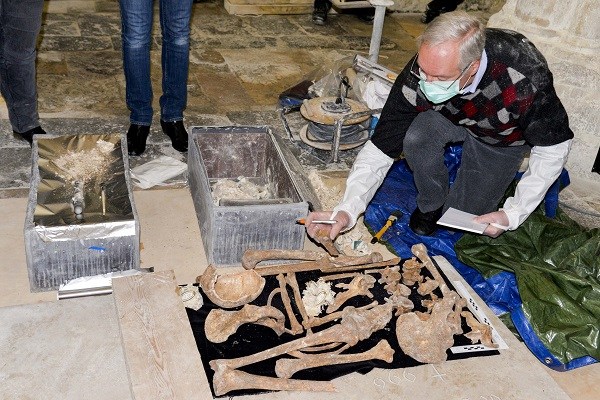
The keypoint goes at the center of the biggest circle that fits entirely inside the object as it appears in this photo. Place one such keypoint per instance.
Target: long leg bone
(286, 367)
(340, 264)
(253, 257)
(293, 282)
(220, 324)
(295, 326)
(226, 380)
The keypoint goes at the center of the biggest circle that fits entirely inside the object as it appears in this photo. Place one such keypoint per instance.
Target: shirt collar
(480, 71)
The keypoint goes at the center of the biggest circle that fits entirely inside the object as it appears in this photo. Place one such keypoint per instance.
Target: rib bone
(286, 367)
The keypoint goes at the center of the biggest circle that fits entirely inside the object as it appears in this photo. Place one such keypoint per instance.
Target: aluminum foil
(83, 191)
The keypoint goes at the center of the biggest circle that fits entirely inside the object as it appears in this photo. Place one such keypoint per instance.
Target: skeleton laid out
(424, 336)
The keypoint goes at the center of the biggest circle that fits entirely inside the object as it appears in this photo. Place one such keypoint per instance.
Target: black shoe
(28, 135)
(176, 131)
(424, 224)
(136, 139)
(319, 15)
(366, 14)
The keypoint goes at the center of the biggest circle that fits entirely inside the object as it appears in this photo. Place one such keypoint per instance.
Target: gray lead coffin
(87, 171)
(232, 226)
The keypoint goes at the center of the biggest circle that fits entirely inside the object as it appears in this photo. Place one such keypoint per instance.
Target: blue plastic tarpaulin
(500, 290)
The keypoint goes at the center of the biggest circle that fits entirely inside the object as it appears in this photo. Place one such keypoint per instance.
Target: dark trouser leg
(484, 175)
(424, 147)
(136, 20)
(20, 23)
(175, 18)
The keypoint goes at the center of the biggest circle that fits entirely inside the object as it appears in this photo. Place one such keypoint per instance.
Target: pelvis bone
(220, 324)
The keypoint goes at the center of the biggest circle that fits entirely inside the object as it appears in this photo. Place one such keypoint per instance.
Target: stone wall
(568, 34)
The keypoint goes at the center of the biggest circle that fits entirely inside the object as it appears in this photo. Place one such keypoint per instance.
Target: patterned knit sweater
(515, 102)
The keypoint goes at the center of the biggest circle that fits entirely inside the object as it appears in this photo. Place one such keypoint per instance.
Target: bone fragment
(411, 272)
(479, 332)
(286, 367)
(226, 380)
(253, 257)
(231, 290)
(316, 321)
(356, 325)
(420, 251)
(295, 326)
(428, 286)
(359, 286)
(339, 276)
(220, 324)
(322, 237)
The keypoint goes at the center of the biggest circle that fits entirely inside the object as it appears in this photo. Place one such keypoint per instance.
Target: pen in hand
(302, 221)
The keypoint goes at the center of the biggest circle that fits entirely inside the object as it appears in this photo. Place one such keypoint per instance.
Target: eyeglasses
(419, 74)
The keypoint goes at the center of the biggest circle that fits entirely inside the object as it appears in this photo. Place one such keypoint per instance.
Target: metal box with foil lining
(230, 226)
(81, 219)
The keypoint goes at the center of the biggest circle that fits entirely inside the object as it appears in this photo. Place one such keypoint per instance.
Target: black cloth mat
(251, 338)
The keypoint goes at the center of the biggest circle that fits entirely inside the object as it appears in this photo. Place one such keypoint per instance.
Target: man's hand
(498, 223)
(342, 220)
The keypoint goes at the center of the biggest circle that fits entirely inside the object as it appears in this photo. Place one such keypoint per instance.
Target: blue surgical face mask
(439, 91)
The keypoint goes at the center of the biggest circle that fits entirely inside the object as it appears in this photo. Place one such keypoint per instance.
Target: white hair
(457, 26)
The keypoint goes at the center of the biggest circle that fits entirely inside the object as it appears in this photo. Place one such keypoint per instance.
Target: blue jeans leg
(136, 22)
(20, 23)
(175, 18)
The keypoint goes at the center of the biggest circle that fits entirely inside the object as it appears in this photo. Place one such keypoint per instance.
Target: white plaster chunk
(317, 295)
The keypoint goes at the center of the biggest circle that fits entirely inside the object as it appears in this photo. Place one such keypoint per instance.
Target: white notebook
(457, 219)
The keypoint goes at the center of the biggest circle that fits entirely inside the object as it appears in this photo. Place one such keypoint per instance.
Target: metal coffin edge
(57, 255)
(227, 231)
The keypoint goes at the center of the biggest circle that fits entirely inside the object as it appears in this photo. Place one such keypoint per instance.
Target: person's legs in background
(136, 22)
(320, 10)
(175, 16)
(20, 23)
(437, 7)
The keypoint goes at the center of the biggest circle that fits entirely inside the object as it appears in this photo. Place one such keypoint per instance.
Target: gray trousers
(484, 174)
(20, 22)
